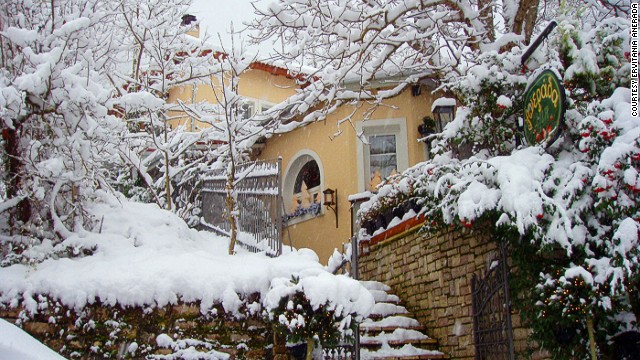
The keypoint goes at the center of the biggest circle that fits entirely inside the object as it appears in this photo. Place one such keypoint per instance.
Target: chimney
(189, 20)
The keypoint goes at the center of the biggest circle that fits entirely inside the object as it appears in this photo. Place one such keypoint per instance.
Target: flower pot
(370, 226)
(388, 216)
(399, 211)
(413, 204)
(380, 222)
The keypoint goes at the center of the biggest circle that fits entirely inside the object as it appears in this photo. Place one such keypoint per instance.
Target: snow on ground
(145, 256)
(16, 344)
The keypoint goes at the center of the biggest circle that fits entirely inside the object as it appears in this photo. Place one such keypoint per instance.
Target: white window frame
(289, 179)
(397, 127)
(257, 105)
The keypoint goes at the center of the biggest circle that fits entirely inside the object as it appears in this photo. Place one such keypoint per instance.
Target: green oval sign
(543, 109)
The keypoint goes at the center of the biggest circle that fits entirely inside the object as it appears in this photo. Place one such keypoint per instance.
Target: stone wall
(432, 276)
(100, 331)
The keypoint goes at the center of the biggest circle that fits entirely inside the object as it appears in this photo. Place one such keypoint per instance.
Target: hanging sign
(544, 107)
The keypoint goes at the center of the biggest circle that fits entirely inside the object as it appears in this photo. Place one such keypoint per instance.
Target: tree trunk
(486, 14)
(525, 19)
(231, 208)
(13, 167)
(310, 349)
(167, 179)
(592, 339)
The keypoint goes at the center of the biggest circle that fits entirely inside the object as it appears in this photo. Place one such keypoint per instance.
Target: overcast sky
(216, 16)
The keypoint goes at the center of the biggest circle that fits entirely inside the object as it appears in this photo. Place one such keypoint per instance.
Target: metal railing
(259, 192)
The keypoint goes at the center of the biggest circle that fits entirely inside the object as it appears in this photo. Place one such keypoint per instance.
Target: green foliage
(594, 278)
(554, 307)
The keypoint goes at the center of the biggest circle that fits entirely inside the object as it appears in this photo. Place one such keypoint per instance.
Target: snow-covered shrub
(490, 96)
(319, 307)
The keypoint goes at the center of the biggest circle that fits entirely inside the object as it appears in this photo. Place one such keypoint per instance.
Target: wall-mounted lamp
(331, 201)
(443, 114)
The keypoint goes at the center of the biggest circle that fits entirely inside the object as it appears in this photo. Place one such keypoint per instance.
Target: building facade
(348, 157)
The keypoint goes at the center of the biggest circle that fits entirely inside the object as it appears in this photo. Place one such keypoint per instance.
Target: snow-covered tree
(232, 122)
(57, 135)
(319, 309)
(155, 55)
(361, 41)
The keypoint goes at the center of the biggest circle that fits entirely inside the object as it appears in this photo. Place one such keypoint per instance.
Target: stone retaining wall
(100, 331)
(432, 277)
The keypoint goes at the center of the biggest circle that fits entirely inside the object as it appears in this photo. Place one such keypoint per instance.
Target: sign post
(544, 107)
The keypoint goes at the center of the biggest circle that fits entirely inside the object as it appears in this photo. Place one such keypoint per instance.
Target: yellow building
(315, 158)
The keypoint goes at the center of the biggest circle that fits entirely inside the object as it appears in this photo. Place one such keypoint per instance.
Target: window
(306, 189)
(264, 107)
(302, 188)
(251, 107)
(246, 110)
(383, 158)
(384, 154)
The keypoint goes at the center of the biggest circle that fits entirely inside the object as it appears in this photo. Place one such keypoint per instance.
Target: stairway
(391, 332)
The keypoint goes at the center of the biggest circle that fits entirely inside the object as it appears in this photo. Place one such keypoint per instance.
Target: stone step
(384, 309)
(391, 331)
(407, 352)
(378, 329)
(391, 323)
(410, 357)
(427, 344)
(380, 296)
(375, 285)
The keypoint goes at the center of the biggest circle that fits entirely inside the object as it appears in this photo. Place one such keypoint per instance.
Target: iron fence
(341, 352)
(259, 192)
(492, 329)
